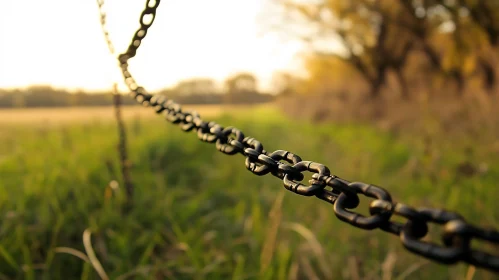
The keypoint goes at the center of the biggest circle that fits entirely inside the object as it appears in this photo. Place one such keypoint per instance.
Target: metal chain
(102, 13)
(457, 234)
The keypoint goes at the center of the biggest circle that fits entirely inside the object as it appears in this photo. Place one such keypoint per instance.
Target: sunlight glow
(60, 43)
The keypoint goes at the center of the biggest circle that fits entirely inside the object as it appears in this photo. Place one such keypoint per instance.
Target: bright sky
(60, 43)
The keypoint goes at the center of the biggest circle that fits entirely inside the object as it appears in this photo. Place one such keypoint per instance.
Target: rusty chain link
(457, 234)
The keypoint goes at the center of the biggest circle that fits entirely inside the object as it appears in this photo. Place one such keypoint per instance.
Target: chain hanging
(457, 234)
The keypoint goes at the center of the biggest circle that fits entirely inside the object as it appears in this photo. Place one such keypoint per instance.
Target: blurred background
(398, 93)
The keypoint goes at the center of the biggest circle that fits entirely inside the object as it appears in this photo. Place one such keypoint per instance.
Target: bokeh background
(398, 93)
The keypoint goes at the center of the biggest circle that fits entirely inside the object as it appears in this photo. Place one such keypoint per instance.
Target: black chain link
(344, 195)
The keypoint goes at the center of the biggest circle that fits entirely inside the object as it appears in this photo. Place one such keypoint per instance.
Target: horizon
(219, 86)
(67, 42)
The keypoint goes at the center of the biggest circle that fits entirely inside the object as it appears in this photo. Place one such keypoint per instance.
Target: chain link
(102, 14)
(344, 195)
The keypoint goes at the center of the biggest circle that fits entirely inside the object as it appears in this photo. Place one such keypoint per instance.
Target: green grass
(199, 214)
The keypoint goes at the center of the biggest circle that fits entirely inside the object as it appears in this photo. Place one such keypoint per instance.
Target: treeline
(46, 96)
(238, 89)
(407, 46)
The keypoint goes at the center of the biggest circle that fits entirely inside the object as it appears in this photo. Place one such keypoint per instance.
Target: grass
(199, 214)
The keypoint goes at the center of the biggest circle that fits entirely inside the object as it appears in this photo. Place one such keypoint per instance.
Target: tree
(195, 86)
(368, 41)
(481, 17)
(285, 84)
(457, 37)
(240, 84)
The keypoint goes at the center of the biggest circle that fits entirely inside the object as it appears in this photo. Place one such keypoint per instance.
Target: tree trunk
(432, 55)
(376, 83)
(404, 91)
(459, 80)
(490, 77)
(375, 89)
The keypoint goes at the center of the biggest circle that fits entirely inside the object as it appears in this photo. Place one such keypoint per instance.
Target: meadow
(65, 115)
(199, 214)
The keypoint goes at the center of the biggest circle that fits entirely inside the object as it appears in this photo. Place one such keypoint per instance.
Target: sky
(60, 43)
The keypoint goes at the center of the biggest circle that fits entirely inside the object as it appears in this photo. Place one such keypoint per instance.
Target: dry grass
(428, 116)
(51, 116)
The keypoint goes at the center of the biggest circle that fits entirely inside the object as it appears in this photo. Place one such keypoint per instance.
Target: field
(64, 115)
(199, 214)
